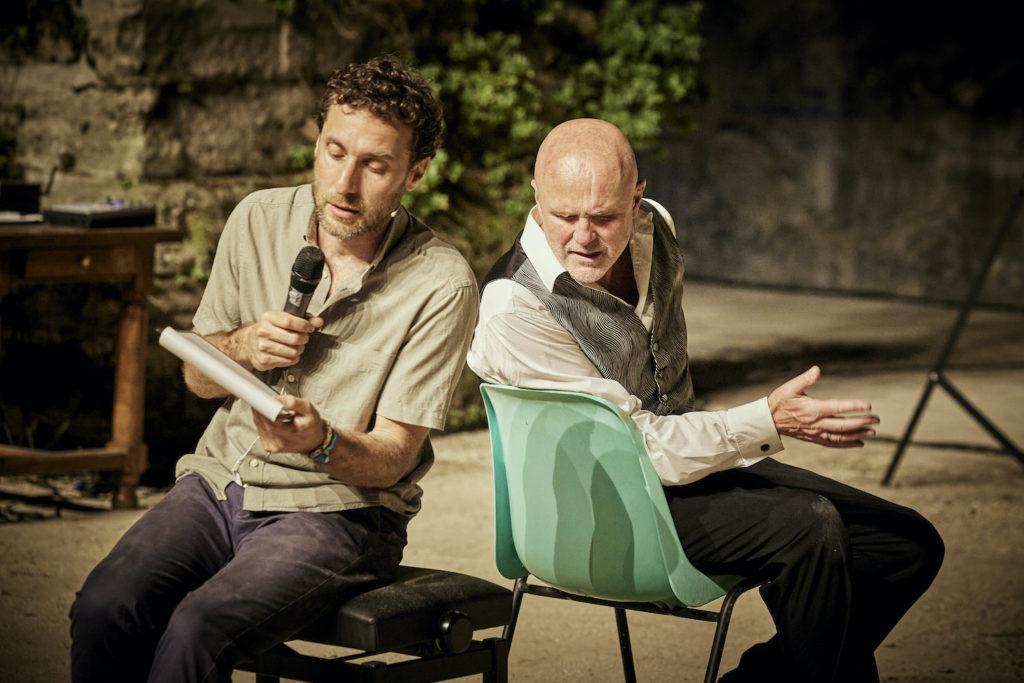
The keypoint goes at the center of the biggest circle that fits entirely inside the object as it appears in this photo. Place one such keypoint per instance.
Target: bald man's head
(573, 146)
(585, 179)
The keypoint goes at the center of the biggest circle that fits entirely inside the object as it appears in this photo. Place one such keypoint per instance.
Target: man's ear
(416, 173)
(536, 212)
(638, 193)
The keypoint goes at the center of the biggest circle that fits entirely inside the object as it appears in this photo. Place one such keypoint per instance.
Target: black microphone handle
(296, 309)
(299, 309)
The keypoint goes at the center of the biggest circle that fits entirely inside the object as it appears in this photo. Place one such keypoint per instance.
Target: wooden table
(34, 253)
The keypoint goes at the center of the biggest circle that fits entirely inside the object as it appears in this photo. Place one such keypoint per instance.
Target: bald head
(586, 147)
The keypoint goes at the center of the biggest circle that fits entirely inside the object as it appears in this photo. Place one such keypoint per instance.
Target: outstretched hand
(822, 422)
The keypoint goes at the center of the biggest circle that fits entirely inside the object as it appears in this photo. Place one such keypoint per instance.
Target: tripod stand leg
(985, 423)
(918, 411)
(936, 375)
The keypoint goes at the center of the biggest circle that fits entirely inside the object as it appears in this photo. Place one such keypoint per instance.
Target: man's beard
(370, 219)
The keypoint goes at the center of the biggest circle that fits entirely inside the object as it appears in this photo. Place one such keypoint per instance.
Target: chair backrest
(579, 505)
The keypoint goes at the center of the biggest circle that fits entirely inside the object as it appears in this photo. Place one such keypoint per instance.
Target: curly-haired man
(258, 538)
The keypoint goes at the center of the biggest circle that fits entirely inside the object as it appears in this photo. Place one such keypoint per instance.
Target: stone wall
(185, 104)
(869, 149)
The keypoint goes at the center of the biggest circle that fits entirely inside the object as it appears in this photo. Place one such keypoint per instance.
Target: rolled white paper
(212, 362)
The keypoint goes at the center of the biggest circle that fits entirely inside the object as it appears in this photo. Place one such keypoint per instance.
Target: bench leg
(265, 678)
(499, 652)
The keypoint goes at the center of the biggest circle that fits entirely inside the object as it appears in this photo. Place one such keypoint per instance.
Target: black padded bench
(428, 613)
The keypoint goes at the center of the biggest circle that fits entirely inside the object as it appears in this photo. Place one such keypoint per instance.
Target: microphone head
(307, 269)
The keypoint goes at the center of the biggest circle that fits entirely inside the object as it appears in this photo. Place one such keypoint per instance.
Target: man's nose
(584, 233)
(348, 178)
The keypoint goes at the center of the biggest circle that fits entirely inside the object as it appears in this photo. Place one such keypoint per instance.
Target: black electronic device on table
(19, 197)
(110, 214)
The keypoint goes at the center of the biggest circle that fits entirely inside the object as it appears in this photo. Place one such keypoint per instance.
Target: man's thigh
(287, 573)
(174, 547)
(738, 519)
(736, 528)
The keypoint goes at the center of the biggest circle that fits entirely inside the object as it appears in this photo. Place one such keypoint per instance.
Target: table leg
(130, 392)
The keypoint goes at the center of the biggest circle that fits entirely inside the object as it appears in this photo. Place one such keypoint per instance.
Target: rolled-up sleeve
(219, 309)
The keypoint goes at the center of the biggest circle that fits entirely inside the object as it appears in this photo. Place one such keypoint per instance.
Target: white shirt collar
(537, 249)
(641, 249)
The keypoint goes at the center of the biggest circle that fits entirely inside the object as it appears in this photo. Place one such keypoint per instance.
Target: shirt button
(326, 274)
(254, 462)
(664, 398)
(291, 377)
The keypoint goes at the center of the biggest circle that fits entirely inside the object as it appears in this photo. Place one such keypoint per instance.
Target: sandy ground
(968, 627)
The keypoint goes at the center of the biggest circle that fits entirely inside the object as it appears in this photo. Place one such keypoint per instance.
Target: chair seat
(408, 611)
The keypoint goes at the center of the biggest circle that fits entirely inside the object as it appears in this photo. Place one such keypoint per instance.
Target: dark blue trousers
(198, 584)
(843, 565)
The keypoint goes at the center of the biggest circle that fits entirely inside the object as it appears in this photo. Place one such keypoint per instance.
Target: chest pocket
(343, 380)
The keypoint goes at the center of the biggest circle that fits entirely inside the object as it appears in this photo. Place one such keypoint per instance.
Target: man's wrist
(246, 348)
(322, 453)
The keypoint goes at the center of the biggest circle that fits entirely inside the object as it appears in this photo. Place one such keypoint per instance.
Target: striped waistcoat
(651, 365)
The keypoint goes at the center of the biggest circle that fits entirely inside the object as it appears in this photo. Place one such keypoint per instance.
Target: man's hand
(304, 433)
(378, 459)
(277, 339)
(822, 422)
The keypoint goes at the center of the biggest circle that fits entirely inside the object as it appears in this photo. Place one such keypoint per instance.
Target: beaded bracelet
(322, 453)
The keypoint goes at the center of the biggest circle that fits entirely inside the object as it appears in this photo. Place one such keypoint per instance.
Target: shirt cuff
(753, 430)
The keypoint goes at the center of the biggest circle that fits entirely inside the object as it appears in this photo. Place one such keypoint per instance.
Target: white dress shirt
(519, 343)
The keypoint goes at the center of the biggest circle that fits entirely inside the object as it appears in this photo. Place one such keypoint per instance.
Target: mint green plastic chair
(579, 506)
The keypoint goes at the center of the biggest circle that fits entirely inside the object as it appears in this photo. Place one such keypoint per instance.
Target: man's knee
(815, 525)
(926, 548)
(93, 611)
(106, 603)
(120, 595)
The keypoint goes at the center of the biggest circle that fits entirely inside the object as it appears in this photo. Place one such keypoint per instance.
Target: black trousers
(198, 584)
(844, 566)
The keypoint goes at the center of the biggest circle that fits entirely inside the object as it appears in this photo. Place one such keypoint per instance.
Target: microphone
(306, 273)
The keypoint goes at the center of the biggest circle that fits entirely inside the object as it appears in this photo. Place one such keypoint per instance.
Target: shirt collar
(535, 244)
(641, 248)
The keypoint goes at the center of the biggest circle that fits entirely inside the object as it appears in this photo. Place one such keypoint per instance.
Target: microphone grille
(309, 264)
(308, 268)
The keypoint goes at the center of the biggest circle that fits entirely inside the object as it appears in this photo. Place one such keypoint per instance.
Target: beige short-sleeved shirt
(393, 344)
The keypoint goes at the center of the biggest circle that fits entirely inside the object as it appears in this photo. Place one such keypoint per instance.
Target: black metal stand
(937, 374)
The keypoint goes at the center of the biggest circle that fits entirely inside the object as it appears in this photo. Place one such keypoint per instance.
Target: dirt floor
(968, 627)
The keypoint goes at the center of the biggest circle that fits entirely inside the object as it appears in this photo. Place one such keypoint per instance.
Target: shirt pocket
(343, 380)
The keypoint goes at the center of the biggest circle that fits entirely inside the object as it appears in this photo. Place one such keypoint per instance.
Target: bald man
(589, 299)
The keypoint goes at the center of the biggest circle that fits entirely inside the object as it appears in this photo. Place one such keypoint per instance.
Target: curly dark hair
(394, 92)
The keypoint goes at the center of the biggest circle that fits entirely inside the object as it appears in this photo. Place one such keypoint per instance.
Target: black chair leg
(625, 649)
(722, 628)
(517, 600)
(265, 678)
